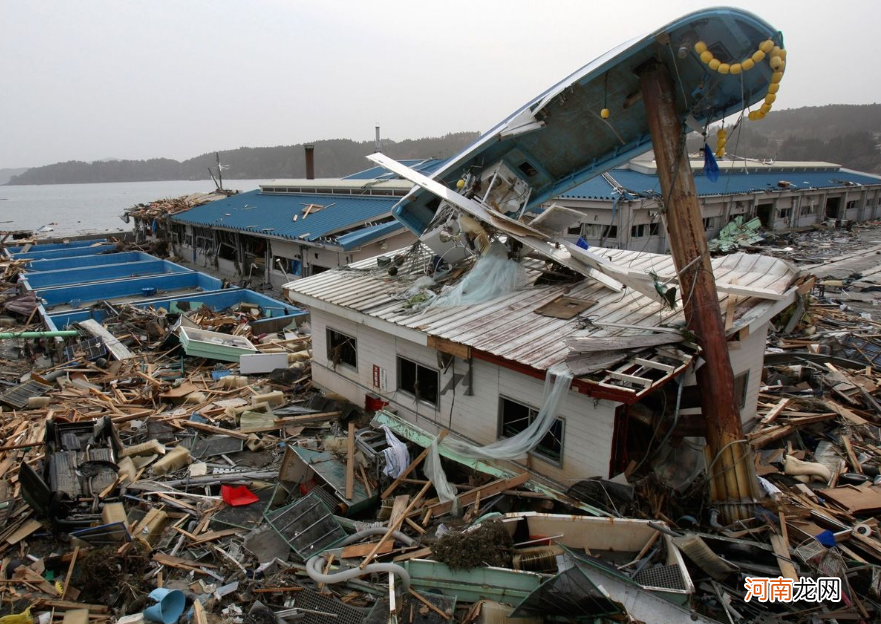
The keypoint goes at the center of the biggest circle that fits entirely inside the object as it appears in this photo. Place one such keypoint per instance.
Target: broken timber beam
(733, 485)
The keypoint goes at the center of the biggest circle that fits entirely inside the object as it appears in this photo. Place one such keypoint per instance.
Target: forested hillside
(333, 158)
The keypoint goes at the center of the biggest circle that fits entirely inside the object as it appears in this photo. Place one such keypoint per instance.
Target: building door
(765, 213)
(833, 205)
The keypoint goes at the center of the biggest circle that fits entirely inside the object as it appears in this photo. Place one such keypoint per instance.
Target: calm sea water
(91, 208)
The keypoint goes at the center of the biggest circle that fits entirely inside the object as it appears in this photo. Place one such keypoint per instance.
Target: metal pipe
(62, 333)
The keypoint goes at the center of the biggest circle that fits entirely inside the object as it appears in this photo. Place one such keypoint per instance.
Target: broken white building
(478, 370)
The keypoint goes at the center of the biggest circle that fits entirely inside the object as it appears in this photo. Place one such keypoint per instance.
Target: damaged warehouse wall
(588, 425)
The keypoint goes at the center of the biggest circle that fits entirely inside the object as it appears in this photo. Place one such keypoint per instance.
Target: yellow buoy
(460, 184)
(760, 115)
(700, 47)
(723, 68)
(765, 108)
(776, 62)
(767, 46)
(753, 116)
(604, 113)
(783, 53)
(770, 98)
(758, 56)
(776, 77)
(706, 56)
(720, 152)
(773, 88)
(714, 64)
(736, 68)
(775, 51)
(748, 64)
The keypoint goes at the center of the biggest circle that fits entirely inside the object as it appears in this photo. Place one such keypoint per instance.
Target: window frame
(398, 360)
(538, 454)
(331, 346)
(741, 400)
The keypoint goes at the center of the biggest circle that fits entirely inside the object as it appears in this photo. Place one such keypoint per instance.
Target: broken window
(610, 231)
(420, 381)
(851, 205)
(710, 223)
(514, 417)
(741, 383)
(784, 213)
(807, 209)
(637, 231)
(341, 349)
(574, 230)
(654, 229)
(315, 269)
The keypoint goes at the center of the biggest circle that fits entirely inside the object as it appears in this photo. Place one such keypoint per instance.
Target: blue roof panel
(728, 183)
(736, 183)
(273, 215)
(368, 234)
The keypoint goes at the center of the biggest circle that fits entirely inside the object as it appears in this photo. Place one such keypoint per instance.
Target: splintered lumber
(398, 507)
(775, 411)
(394, 526)
(781, 550)
(199, 616)
(216, 430)
(394, 484)
(350, 462)
(471, 497)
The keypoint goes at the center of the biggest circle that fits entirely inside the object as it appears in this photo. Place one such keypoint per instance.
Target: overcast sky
(100, 79)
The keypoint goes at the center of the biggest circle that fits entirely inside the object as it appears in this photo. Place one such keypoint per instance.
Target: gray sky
(98, 79)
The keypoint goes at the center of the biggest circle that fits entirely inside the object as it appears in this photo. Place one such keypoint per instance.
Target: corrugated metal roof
(272, 215)
(425, 166)
(509, 326)
(732, 183)
(365, 235)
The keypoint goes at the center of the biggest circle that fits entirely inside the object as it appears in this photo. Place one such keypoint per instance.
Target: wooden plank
(416, 554)
(411, 467)
(350, 463)
(640, 381)
(775, 411)
(362, 550)
(199, 616)
(490, 489)
(448, 346)
(667, 368)
(781, 550)
(398, 507)
(28, 528)
(70, 567)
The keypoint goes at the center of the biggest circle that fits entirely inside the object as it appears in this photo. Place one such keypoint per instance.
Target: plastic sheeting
(493, 275)
(557, 382)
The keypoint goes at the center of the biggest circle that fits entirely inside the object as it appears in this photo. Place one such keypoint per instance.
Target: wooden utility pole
(733, 483)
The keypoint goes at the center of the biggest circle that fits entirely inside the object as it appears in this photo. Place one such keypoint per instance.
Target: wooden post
(733, 480)
(350, 463)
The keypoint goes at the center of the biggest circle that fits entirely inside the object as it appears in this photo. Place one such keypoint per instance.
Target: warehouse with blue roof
(623, 208)
(293, 228)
